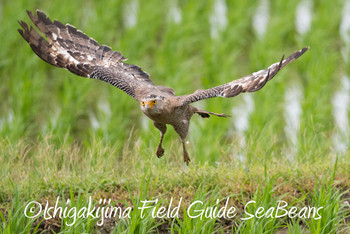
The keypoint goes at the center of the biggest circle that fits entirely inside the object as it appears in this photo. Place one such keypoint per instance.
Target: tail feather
(206, 114)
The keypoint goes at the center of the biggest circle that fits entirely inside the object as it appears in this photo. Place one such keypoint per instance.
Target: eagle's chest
(159, 117)
(168, 116)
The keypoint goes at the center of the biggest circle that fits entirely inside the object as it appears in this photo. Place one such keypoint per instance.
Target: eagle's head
(152, 104)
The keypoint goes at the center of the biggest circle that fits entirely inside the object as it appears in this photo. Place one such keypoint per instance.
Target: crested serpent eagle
(65, 46)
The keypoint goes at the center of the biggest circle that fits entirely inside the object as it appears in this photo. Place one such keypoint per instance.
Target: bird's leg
(182, 130)
(162, 128)
(187, 159)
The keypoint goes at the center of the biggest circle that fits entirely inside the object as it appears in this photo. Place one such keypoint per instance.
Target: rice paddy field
(78, 156)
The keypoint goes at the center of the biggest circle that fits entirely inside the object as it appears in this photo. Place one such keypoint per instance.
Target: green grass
(49, 148)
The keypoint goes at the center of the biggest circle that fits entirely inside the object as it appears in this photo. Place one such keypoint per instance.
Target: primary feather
(70, 48)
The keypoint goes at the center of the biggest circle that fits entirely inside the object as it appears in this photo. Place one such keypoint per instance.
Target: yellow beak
(150, 104)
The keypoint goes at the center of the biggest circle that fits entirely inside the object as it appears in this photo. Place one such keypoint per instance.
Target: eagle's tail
(65, 46)
(206, 114)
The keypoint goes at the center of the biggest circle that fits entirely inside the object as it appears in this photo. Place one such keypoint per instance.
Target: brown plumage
(69, 48)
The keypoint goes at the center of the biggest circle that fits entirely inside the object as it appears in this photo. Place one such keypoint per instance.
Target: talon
(187, 159)
(160, 152)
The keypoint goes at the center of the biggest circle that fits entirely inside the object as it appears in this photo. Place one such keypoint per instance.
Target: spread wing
(69, 48)
(250, 83)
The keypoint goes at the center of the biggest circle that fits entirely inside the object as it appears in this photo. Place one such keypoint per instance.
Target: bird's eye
(154, 102)
(143, 103)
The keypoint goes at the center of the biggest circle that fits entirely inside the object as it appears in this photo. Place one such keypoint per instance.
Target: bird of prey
(65, 46)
